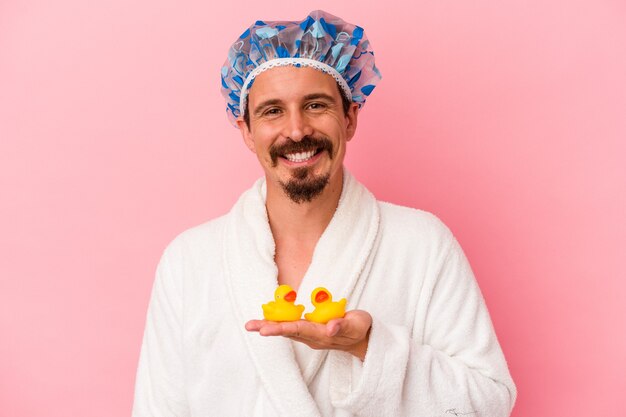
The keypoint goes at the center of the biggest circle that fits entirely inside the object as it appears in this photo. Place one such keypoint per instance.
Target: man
(417, 339)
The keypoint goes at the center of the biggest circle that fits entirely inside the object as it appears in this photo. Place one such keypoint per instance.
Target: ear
(245, 133)
(351, 120)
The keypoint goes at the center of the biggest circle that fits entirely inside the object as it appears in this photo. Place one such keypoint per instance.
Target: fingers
(333, 328)
(313, 334)
(280, 329)
(336, 334)
(272, 328)
(255, 325)
(298, 328)
(353, 326)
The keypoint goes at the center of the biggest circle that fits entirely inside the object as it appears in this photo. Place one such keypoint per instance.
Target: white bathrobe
(432, 349)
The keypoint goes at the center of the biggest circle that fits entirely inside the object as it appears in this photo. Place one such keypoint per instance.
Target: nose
(297, 126)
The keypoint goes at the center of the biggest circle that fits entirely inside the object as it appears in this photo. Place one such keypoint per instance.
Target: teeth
(300, 156)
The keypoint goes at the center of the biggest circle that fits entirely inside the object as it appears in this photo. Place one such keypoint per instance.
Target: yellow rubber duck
(325, 308)
(283, 308)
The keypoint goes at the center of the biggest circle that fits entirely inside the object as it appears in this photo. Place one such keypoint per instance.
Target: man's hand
(350, 334)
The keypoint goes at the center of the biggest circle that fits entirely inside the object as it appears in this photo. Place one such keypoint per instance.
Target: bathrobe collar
(340, 263)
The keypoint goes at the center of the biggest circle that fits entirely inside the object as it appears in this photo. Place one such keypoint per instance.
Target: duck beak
(321, 296)
(290, 296)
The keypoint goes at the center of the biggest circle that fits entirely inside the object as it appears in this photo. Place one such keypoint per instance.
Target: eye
(316, 106)
(272, 111)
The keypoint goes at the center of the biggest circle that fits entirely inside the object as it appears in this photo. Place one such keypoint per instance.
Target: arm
(159, 383)
(456, 369)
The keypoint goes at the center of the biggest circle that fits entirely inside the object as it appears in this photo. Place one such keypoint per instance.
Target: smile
(302, 157)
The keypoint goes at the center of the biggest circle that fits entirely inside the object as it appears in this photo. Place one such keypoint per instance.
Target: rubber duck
(325, 308)
(283, 308)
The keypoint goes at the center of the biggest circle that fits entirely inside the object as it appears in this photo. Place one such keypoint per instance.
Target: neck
(306, 221)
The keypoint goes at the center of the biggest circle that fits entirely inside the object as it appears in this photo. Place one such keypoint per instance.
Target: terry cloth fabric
(349, 236)
(432, 348)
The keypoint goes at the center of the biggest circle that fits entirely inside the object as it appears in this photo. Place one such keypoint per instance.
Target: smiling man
(416, 340)
(300, 131)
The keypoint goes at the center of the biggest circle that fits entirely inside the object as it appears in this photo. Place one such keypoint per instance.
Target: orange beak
(321, 296)
(290, 296)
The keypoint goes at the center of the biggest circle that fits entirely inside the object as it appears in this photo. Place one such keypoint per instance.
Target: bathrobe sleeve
(159, 385)
(456, 367)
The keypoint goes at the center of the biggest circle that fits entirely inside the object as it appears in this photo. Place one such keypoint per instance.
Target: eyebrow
(266, 103)
(275, 101)
(322, 96)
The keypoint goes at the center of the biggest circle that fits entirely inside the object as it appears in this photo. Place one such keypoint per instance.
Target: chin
(303, 186)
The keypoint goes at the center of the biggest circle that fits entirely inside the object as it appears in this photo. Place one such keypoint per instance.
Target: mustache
(307, 143)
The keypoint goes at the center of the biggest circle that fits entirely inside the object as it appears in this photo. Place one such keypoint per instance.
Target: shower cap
(321, 41)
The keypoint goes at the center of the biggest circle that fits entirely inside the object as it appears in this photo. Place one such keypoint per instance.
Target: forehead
(291, 83)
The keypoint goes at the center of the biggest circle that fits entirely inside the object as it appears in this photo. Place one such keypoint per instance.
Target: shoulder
(195, 241)
(414, 234)
(417, 237)
(407, 221)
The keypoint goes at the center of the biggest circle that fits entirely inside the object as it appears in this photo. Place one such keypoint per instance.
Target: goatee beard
(303, 187)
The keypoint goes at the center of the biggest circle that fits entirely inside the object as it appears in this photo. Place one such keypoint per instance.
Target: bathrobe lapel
(340, 263)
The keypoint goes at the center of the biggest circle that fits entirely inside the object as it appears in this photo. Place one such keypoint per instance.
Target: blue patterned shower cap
(321, 41)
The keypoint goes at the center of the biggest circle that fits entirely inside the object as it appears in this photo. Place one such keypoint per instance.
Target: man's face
(298, 129)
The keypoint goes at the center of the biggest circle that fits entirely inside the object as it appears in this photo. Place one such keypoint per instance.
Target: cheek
(266, 135)
(333, 125)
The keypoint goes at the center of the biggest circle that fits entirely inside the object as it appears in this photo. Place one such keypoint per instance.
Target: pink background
(506, 119)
